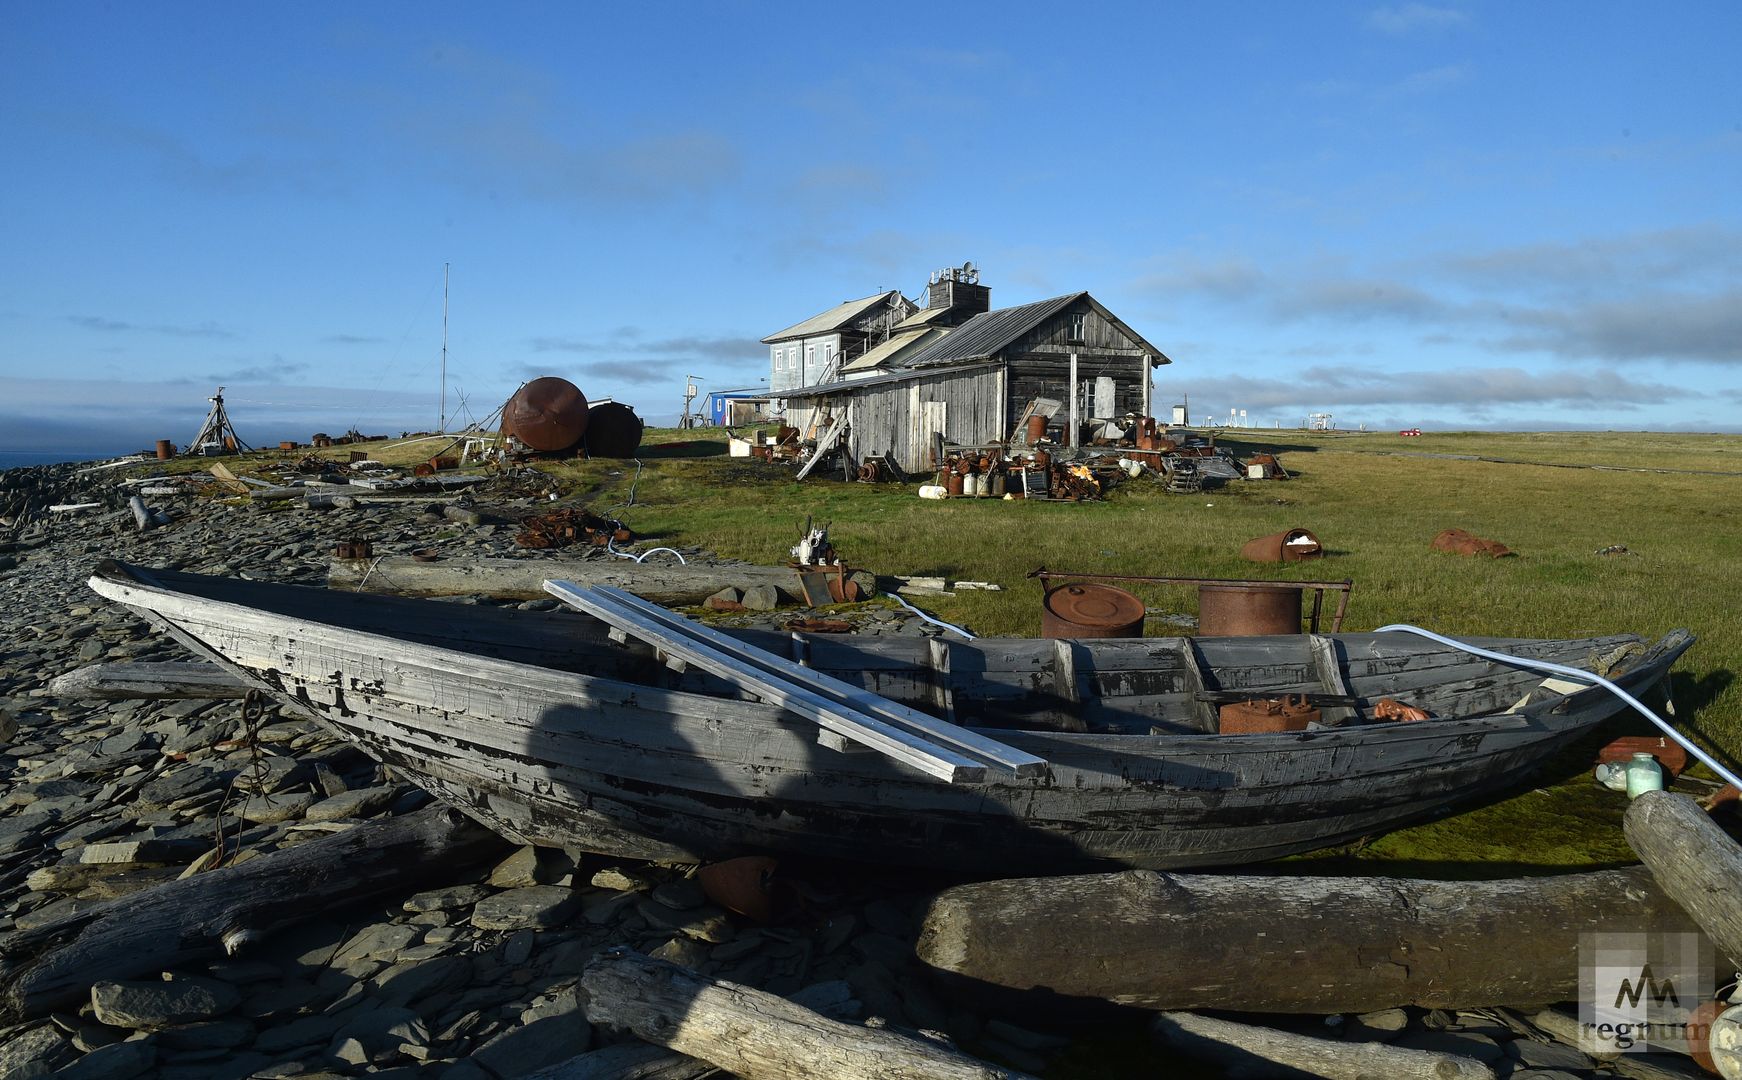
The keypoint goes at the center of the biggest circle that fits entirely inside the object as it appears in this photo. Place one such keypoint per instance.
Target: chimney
(958, 289)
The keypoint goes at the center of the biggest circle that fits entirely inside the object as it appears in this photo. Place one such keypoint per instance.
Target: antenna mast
(442, 423)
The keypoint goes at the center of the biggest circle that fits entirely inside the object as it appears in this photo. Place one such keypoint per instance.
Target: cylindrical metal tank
(1290, 545)
(547, 414)
(165, 449)
(613, 430)
(1248, 610)
(1090, 610)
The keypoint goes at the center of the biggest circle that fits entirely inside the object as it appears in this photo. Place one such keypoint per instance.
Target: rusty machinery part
(1090, 610)
(426, 555)
(1267, 716)
(613, 430)
(1670, 755)
(1459, 542)
(746, 886)
(1319, 588)
(1248, 610)
(818, 626)
(569, 526)
(548, 414)
(1392, 709)
(423, 468)
(1290, 545)
(870, 472)
(353, 549)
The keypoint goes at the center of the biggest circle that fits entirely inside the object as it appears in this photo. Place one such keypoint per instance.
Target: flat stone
(532, 866)
(351, 804)
(381, 941)
(404, 983)
(530, 1047)
(682, 951)
(117, 1061)
(680, 894)
(175, 784)
(621, 879)
(519, 909)
(518, 948)
(1548, 1055)
(207, 1035)
(279, 806)
(152, 1005)
(36, 1052)
(761, 598)
(455, 896)
(302, 1031)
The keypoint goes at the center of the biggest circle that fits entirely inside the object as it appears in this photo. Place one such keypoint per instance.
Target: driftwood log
(1693, 860)
(124, 682)
(756, 1035)
(147, 932)
(660, 579)
(1247, 1050)
(1280, 944)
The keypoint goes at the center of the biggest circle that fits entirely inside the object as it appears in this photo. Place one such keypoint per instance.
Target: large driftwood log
(151, 931)
(124, 682)
(1281, 944)
(660, 579)
(1693, 860)
(1246, 1050)
(756, 1035)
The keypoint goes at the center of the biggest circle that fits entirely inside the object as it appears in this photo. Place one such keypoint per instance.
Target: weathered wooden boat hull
(487, 709)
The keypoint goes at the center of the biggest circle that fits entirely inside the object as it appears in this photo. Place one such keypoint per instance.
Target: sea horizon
(16, 459)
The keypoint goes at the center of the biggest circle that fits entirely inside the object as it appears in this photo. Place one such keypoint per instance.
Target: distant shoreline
(17, 459)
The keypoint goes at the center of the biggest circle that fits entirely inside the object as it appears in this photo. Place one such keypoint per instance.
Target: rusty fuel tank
(1090, 610)
(547, 414)
(613, 430)
(1248, 610)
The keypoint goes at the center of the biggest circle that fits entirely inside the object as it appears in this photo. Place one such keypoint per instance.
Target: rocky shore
(477, 979)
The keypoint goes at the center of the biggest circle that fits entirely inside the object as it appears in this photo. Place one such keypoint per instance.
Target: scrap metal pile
(1049, 472)
(570, 526)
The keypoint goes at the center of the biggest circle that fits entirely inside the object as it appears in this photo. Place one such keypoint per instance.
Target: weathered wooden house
(812, 351)
(974, 383)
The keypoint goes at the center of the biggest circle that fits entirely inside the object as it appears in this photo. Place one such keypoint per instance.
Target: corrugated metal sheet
(833, 319)
(923, 317)
(889, 353)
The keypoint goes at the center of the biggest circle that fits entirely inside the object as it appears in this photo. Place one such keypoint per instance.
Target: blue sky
(1451, 216)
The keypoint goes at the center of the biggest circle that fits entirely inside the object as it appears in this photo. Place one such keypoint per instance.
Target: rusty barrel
(1289, 545)
(613, 430)
(165, 449)
(1090, 610)
(1036, 428)
(547, 414)
(1248, 610)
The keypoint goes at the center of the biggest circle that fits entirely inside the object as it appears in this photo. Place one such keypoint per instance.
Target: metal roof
(890, 352)
(923, 317)
(989, 332)
(906, 375)
(833, 319)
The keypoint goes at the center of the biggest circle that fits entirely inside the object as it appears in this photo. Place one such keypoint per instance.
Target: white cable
(1583, 676)
(931, 619)
(610, 548)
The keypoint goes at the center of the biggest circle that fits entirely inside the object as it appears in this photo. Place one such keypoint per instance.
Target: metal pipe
(1583, 676)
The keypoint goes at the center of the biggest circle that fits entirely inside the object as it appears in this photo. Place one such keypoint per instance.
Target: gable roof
(889, 353)
(833, 319)
(986, 334)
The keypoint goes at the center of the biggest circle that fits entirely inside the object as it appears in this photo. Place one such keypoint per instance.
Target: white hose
(931, 619)
(1583, 676)
(611, 548)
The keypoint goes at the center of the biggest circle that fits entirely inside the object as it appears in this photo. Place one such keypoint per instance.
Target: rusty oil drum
(1248, 610)
(1090, 610)
(547, 414)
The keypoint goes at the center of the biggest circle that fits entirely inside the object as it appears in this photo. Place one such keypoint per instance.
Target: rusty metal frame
(1319, 588)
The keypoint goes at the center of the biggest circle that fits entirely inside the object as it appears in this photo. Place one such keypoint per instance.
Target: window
(1074, 328)
(810, 358)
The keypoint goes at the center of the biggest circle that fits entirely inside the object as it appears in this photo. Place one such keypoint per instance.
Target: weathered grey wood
(523, 579)
(627, 1061)
(824, 445)
(1284, 944)
(142, 517)
(123, 682)
(1330, 666)
(756, 1035)
(163, 927)
(1693, 860)
(462, 515)
(937, 655)
(773, 666)
(707, 652)
(1066, 685)
(1253, 1050)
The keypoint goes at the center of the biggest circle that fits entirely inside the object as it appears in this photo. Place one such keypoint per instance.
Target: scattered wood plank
(824, 445)
(142, 516)
(73, 508)
(1261, 1051)
(126, 682)
(523, 579)
(756, 1035)
(1693, 860)
(54, 966)
(768, 674)
(1281, 944)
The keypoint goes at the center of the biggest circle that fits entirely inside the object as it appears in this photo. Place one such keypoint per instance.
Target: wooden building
(974, 383)
(813, 351)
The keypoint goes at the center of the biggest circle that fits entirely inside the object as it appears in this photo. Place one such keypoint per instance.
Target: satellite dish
(968, 266)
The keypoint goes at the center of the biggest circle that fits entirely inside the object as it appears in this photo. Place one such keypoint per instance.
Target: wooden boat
(551, 732)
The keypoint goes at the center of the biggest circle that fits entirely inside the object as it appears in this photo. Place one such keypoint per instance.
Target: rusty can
(1090, 610)
(1267, 716)
(1248, 610)
(1290, 545)
(1036, 428)
(352, 549)
(165, 449)
(955, 486)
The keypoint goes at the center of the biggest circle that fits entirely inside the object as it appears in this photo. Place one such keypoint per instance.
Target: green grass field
(1374, 500)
